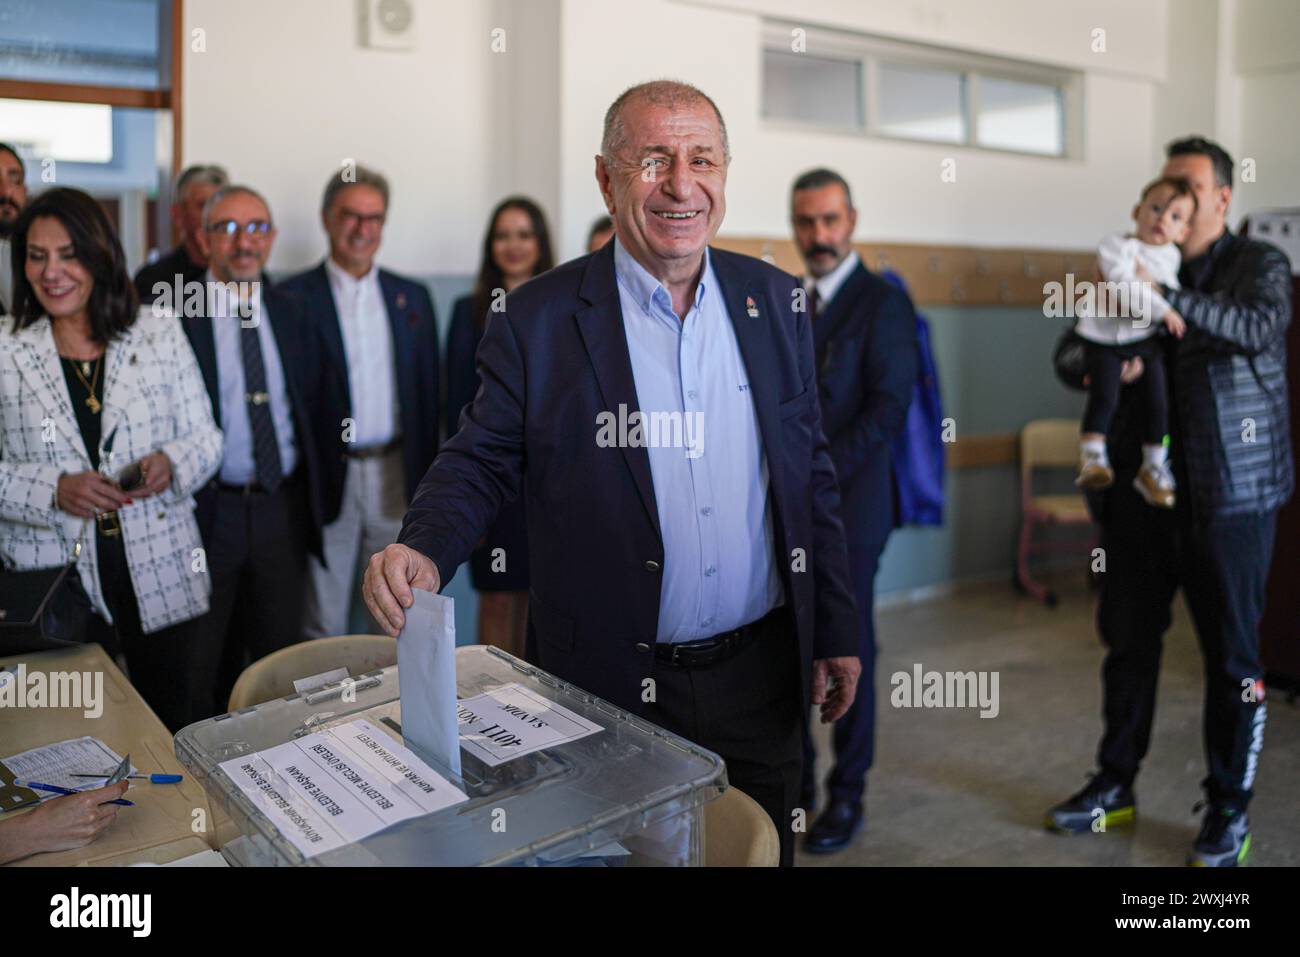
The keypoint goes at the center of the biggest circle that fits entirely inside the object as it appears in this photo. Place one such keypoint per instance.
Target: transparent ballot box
(629, 794)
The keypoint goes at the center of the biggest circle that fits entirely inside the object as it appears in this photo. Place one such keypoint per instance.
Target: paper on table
(426, 670)
(55, 763)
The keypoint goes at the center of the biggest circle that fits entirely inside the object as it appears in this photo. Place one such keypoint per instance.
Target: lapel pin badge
(401, 300)
(750, 308)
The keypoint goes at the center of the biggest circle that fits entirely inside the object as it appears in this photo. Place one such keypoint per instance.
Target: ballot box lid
(594, 797)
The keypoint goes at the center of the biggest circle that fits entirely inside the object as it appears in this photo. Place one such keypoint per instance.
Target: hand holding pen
(54, 788)
(60, 824)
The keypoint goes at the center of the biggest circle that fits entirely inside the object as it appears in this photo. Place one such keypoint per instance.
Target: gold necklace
(91, 402)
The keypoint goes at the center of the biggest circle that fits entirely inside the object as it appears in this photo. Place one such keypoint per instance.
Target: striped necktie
(266, 450)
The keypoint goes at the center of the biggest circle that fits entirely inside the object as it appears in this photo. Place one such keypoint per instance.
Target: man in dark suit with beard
(864, 332)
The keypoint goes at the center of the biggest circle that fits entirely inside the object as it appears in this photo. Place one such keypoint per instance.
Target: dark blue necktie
(266, 450)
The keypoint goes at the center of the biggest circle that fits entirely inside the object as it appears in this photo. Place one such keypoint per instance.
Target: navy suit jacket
(462, 378)
(415, 352)
(166, 269)
(554, 360)
(300, 357)
(866, 369)
(510, 528)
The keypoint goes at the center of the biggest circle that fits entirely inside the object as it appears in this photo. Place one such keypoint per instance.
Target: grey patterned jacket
(154, 400)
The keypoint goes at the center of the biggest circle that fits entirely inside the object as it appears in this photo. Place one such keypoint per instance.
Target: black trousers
(748, 709)
(158, 663)
(257, 557)
(855, 732)
(1222, 566)
(1104, 364)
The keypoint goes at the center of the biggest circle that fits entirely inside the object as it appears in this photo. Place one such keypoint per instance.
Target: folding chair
(1048, 444)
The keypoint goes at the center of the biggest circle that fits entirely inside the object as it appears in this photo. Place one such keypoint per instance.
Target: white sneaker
(1094, 473)
(1155, 483)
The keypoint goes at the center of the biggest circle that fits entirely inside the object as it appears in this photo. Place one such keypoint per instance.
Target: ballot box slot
(337, 689)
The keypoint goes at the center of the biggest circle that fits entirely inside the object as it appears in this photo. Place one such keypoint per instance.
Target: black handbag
(43, 608)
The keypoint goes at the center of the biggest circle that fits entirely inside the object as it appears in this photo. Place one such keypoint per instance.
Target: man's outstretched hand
(835, 696)
(388, 581)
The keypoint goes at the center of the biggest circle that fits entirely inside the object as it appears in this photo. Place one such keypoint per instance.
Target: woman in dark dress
(516, 248)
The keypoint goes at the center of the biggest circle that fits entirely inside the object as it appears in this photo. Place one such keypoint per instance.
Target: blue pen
(153, 778)
(37, 786)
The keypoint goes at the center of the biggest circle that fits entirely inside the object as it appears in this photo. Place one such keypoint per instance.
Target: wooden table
(164, 825)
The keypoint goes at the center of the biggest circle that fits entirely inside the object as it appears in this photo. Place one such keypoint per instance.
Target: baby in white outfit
(1124, 326)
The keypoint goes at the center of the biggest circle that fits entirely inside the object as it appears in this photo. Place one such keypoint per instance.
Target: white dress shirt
(828, 285)
(368, 348)
(237, 467)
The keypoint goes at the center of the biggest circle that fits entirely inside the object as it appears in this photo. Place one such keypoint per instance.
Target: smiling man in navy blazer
(656, 403)
(379, 431)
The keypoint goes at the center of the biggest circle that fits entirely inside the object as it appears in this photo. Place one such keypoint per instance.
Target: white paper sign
(511, 721)
(333, 787)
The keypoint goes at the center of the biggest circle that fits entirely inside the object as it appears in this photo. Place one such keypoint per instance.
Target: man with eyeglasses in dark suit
(260, 515)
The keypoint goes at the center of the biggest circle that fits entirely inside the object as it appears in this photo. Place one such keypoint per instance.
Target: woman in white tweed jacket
(89, 386)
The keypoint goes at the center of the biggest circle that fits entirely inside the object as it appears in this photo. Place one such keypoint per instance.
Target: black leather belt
(249, 488)
(255, 488)
(374, 451)
(709, 651)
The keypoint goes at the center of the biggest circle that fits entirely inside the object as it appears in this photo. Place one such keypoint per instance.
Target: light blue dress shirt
(710, 475)
(237, 463)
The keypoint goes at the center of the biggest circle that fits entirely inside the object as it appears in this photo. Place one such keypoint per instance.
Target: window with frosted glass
(818, 90)
(921, 103)
(1021, 116)
(99, 43)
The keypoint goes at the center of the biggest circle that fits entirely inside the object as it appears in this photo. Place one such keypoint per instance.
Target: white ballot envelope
(426, 668)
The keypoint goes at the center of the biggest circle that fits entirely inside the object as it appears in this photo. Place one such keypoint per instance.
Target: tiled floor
(952, 788)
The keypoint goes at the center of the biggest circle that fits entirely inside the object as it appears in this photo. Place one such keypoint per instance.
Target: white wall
(1044, 31)
(284, 93)
(527, 100)
(997, 199)
(1266, 64)
(1185, 103)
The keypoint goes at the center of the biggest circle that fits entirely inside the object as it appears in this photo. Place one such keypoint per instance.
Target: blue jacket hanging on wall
(917, 452)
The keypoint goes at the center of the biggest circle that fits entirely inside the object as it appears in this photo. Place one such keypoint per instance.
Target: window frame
(165, 98)
(873, 52)
(864, 86)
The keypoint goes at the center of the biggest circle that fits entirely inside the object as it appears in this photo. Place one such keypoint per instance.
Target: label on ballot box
(339, 785)
(511, 721)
